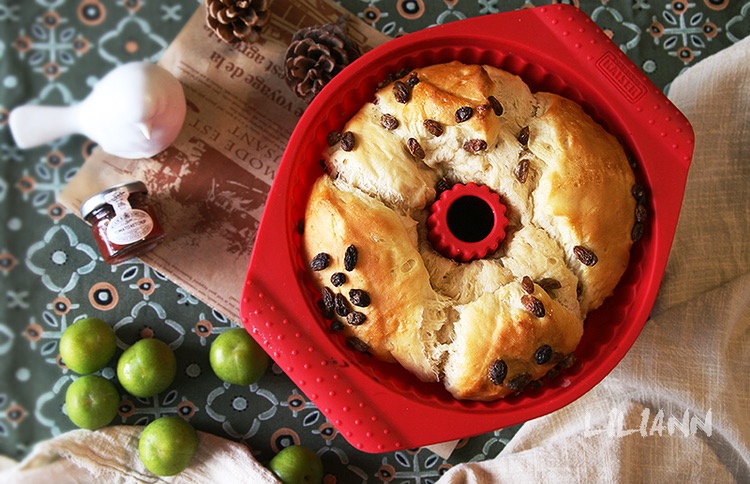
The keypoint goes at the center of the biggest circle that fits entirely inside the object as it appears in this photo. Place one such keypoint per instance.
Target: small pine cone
(315, 55)
(237, 20)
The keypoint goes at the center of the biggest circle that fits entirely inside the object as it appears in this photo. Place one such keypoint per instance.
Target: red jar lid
(467, 222)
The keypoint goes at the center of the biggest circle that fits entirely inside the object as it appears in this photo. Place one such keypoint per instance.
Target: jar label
(118, 198)
(129, 226)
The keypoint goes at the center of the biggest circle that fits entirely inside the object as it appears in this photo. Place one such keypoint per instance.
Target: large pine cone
(315, 55)
(237, 20)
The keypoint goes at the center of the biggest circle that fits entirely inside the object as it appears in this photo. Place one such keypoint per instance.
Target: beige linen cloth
(693, 357)
(110, 455)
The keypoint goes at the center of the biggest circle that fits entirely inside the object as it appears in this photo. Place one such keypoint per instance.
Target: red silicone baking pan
(380, 407)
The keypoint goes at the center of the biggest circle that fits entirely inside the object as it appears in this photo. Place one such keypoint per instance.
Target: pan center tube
(466, 222)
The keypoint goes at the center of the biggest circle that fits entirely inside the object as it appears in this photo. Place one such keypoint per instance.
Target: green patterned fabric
(52, 52)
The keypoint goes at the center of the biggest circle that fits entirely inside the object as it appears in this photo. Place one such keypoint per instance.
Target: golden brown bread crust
(475, 326)
(584, 193)
(386, 258)
(511, 333)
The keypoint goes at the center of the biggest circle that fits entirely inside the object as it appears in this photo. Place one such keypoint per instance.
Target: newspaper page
(211, 184)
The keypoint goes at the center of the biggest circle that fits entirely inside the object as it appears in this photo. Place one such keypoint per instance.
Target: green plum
(297, 464)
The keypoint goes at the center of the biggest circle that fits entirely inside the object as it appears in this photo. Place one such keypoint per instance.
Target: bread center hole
(470, 219)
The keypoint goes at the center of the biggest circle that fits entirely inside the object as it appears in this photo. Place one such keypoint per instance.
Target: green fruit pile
(148, 367)
(86, 347)
(145, 369)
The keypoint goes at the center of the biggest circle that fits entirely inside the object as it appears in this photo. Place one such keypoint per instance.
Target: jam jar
(123, 222)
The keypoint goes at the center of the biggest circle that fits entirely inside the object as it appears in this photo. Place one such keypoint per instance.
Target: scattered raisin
(543, 354)
(357, 344)
(360, 298)
(347, 141)
(300, 226)
(641, 212)
(639, 193)
(389, 122)
(401, 92)
(553, 372)
(534, 384)
(523, 136)
(333, 137)
(341, 305)
(519, 382)
(497, 108)
(336, 325)
(392, 77)
(320, 262)
(475, 145)
(402, 73)
(412, 80)
(328, 299)
(433, 127)
(533, 305)
(355, 318)
(415, 148)
(633, 164)
(522, 170)
(527, 285)
(568, 361)
(338, 279)
(549, 284)
(497, 372)
(586, 256)
(637, 233)
(328, 314)
(464, 113)
(442, 185)
(350, 258)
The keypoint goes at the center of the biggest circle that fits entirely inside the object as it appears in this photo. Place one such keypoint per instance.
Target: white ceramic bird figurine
(135, 111)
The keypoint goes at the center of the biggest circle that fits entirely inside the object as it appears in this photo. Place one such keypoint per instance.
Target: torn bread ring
(488, 327)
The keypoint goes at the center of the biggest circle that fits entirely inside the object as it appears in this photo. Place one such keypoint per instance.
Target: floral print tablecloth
(52, 52)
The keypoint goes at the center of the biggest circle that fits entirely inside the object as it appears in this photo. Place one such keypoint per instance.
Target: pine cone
(237, 20)
(315, 55)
